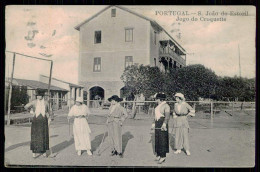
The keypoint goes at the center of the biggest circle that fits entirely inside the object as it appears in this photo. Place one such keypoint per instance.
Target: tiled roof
(35, 84)
(71, 84)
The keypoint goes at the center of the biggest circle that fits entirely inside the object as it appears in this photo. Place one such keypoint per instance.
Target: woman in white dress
(181, 111)
(81, 128)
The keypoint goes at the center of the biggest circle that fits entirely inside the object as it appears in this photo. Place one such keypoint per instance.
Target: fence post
(232, 108)
(211, 109)
(194, 106)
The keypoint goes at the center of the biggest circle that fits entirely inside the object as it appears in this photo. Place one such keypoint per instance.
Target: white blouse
(158, 114)
(81, 110)
(40, 108)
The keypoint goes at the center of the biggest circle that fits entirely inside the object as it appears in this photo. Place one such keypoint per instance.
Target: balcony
(168, 52)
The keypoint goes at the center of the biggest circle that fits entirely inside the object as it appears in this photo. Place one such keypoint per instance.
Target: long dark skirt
(39, 134)
(161, 139)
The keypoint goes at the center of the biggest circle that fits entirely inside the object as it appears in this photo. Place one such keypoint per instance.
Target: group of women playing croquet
(115, 118)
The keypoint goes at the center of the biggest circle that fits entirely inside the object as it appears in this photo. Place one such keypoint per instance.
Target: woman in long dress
(181, 111)
(81, 128)
(116, 117)
(39, 128)
(162, 116)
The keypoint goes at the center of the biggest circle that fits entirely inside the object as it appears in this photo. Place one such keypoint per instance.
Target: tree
(142, 79)
(236, 88)
(250, 92)
(19, 96)
(194, 81)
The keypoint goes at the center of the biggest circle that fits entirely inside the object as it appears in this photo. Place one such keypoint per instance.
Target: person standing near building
(97, 101)
(81, 128)
(138, 104)
(116, 117)
(181, 126)
(162, 116)
(39, 128)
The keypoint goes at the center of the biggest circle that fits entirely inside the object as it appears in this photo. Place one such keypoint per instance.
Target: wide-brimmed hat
(116, 98)
(180, 95)
(160, 96)
(79, 99)
(40, 92)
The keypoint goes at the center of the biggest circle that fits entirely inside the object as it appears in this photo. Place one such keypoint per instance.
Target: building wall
(154, 48)
(110, 87)
(113, 47)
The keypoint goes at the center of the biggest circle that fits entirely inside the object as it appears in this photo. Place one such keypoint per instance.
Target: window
(154, 61)
(128, 61)
(154, 37)
(180, 66)
(129, 35)
(97, 64)
(97, 37)
(113, 12)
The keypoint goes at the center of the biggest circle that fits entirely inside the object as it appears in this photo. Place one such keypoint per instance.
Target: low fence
(211, 107)
(97, 104)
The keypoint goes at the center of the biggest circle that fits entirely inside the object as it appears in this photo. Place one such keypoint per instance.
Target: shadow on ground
(125, 138)
(59, 147)
(21, 144)
(96, 143)
(152, 141)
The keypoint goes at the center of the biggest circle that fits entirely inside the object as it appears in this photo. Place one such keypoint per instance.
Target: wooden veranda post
(10, 92)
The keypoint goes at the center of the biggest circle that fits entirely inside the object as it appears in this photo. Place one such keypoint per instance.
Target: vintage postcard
(130, 86)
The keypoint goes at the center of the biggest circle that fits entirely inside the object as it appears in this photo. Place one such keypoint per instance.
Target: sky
(48, 32)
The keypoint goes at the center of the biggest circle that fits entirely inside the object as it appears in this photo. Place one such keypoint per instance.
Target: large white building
(117, 37)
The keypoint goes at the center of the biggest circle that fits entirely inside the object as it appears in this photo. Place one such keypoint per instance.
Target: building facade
(73, 90)
(30, 86)
(115, 38)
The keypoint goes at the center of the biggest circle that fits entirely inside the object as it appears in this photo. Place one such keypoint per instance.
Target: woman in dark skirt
(39, 127)
(162, 116)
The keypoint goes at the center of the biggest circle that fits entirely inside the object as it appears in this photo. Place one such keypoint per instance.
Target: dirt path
(221, 142)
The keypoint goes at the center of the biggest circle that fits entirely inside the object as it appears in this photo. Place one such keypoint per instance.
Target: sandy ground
(225, 141)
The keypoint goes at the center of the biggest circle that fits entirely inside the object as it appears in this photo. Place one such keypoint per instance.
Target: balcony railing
(170, 52)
